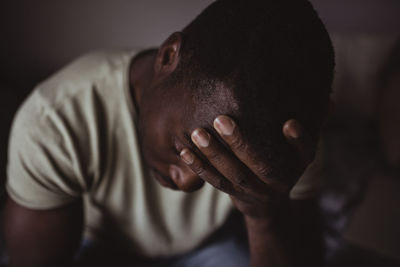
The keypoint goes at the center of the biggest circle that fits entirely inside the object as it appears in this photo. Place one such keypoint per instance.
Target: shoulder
(82, 74)
(62, 111)
(71, 89)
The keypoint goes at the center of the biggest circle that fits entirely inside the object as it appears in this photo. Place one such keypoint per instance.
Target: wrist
(267, 238)
(258, 226)
(277, 215)
(272, 209)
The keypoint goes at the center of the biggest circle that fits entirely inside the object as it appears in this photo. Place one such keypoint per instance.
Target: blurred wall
(44, 34)
(39, 36)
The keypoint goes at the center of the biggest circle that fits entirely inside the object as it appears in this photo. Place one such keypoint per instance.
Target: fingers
(224, 161)
(230, 133)
(206, 172)
(297, 136)
(238, 169)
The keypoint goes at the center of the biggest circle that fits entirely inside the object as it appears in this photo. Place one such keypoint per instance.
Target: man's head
(260, 62)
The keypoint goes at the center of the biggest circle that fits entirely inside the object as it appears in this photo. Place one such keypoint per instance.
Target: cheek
(156, 145)
(152, 129)
(184, 178)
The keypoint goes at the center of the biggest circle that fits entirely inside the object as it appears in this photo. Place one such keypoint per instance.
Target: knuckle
(199, 169)
(263, 171)
(237, 143)
(215, 157)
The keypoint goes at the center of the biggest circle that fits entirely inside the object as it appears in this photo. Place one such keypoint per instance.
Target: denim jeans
(228, 251)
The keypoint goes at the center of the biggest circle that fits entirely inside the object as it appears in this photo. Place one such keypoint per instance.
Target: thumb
(297, 136)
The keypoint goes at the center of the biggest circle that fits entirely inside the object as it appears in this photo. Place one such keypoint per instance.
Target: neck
(140, 74)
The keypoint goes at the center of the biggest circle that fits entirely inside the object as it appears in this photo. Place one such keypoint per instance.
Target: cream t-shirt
(75, 136)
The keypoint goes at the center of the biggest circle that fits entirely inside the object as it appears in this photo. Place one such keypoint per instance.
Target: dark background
(39, 36)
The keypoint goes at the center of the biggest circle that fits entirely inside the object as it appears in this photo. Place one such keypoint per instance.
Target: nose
(185, 178)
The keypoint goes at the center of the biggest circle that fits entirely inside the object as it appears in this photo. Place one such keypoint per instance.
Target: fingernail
(293, 130)
(224, 125)
(187, 156)
(201, 138)
(294, 133)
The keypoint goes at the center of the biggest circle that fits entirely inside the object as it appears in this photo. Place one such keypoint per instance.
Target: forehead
(207, 105)
(199, 109)
(191, 108)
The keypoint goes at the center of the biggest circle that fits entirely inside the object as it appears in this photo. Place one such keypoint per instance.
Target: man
(214, 112)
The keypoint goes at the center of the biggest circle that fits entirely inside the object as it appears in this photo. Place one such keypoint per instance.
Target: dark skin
(184, 151)
(42, 238)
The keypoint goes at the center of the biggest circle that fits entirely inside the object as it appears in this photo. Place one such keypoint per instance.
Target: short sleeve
(41, 170)
(309, 184)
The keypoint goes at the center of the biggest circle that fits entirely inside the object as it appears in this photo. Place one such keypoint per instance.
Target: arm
(42, 238)
(292, 237)
(281, 232)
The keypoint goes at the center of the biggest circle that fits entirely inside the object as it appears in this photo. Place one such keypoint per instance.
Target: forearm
(42, 238)
(266, 247)
(289, 237)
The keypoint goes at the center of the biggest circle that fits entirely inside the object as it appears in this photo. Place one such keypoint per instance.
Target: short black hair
(278, 58)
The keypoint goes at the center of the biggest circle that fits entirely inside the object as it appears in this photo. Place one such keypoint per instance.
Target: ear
(168, 54)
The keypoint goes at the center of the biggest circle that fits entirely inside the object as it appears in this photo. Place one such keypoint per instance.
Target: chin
(191, 187)
(165, 181)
